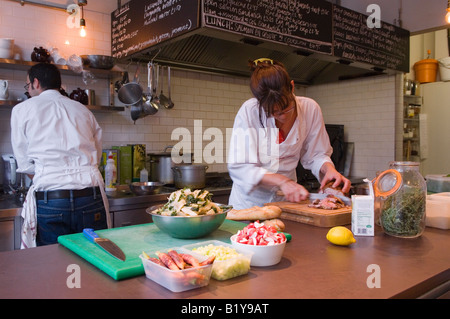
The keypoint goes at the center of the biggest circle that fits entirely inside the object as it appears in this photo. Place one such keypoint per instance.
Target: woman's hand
(293, 192)
(330, 173)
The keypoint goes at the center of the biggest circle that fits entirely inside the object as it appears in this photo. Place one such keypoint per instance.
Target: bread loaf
(276, 223)
(255, 213)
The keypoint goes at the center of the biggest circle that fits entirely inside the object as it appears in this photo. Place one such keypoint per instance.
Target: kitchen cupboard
(98, 73)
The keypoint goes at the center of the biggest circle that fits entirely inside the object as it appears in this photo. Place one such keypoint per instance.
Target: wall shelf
(65, 70)
(9, 104)
(25, 65)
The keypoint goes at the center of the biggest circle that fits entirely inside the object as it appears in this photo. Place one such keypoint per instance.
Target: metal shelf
(99, 73)
(9, 104)
(25, 65)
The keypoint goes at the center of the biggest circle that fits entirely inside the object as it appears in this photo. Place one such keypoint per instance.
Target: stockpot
(191, 176)
(161, 165)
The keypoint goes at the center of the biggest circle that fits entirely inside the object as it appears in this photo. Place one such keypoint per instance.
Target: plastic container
(403, 207)
(426, 70)
(444, 69)
(262, 255)
(178, 280)
(228, 268)
(438, 183)
(438, 210)
(110, 174)
(144, 175)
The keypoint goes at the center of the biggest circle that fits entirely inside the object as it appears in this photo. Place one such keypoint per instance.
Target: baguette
(255, 213)
(276, 223)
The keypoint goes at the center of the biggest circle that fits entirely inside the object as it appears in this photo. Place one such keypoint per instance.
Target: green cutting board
(133, 240)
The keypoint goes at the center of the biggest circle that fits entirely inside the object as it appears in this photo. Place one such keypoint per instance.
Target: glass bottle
(403, 211)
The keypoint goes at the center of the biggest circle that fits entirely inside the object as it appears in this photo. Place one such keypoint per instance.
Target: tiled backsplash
(367, 107)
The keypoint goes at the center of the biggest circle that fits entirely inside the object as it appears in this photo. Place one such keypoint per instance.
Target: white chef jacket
(254, 150)
(59, 141)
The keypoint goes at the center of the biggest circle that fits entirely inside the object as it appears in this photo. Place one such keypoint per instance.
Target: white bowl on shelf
(6, 43)
(6, 53)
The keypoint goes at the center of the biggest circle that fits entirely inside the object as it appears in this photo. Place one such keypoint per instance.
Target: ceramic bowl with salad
(264, 241)
(189, 214)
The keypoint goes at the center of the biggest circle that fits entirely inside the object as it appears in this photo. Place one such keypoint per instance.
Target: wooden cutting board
(300, 212)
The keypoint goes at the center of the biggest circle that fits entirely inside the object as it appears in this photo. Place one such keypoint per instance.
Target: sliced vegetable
(259, 234)
(185, 202)
(177, 259)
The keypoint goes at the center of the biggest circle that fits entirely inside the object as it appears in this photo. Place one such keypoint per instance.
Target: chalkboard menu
(309, 25)
(138, 25)
(385, 47)
(300, 23)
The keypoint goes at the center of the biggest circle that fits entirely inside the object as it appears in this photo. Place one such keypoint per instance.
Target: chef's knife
(104, 243)
(314, 196)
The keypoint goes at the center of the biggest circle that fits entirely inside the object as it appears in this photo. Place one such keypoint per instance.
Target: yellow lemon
(340, 235)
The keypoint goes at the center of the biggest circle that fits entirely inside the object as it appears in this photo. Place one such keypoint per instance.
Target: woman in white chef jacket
(271, 133)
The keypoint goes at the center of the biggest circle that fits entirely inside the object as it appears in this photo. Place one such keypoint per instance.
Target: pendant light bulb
(82, 3)
(82, 28)
(447, 16)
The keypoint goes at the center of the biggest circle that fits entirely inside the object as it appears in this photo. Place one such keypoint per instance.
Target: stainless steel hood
(217, 52)
(214, 49)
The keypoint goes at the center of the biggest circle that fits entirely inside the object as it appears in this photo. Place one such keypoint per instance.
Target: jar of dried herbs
(403, 212)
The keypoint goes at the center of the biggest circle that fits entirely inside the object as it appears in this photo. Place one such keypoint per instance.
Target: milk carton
(363, 213)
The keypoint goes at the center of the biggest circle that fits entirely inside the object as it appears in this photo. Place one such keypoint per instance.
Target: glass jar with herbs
(403, 210)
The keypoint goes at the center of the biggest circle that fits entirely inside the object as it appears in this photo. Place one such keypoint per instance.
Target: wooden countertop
(311, 267)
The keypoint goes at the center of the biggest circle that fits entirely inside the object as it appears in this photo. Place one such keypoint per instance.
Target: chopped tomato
(259, 234)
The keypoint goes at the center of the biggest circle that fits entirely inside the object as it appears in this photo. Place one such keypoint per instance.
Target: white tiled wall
(366, 107)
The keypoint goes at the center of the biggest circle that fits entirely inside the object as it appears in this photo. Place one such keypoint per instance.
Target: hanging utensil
(171, 104)
(155, 97)
(136, 111)
(149, 106)
(131, 93)
(163, 100)
(119, 83)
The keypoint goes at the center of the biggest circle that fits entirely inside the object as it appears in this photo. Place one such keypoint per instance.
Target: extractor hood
(226, 52)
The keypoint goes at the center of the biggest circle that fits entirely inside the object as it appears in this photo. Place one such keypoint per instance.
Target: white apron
(29, 210)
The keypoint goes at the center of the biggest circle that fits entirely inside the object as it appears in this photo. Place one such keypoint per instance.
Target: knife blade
(109, 246)
(314, 196)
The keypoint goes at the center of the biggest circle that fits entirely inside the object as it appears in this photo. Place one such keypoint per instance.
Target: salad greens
(185, 202)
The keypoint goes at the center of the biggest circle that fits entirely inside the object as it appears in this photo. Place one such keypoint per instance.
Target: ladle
(163, 100)
(170, 104)
(149, 105)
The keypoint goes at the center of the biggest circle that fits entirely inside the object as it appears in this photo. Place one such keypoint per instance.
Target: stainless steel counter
(10, 222)
(125, 207)
(126, 197)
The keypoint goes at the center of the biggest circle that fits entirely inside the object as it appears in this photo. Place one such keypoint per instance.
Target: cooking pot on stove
(191, 176)
(161, 164)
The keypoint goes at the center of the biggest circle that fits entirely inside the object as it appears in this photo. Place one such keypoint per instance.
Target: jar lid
(387, 183)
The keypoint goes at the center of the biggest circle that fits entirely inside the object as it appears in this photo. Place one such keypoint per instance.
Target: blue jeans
(58, 217)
